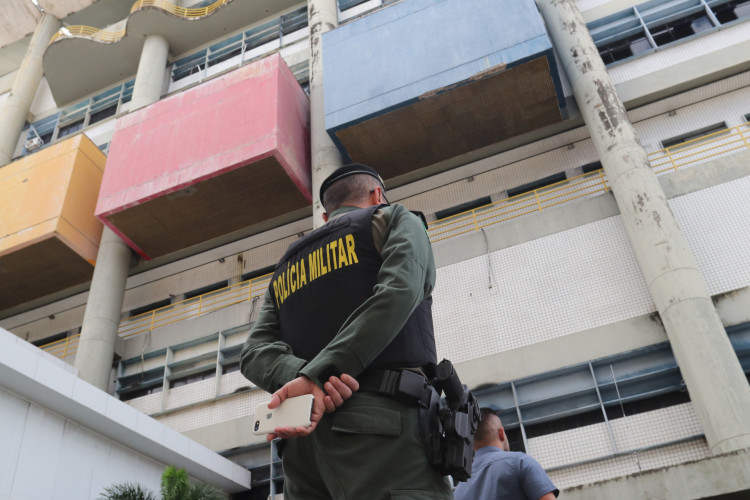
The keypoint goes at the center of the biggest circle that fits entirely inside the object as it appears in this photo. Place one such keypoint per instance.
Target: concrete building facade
(584, 167)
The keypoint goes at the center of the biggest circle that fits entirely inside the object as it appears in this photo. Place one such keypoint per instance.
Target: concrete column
(102, 317)
(323, 16)
(150, 77)
(709, 366)
(16, 109)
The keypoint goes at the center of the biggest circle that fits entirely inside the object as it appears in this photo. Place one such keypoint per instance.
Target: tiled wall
(581, 278)
(630, 433)
(630, 463)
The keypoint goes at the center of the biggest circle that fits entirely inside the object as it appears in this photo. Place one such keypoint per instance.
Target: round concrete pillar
(16, 109)
(708, 363)
(325, 157)
(150, 77)
(101, 319)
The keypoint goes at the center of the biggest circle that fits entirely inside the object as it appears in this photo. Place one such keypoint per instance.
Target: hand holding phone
(292, 412)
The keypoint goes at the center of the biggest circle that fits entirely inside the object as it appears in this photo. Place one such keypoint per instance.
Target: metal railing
(108, 36)
(176, 10)
(101, 35)
(698, 150)
(62, 348)
(586, 185)
(173, 313)
(194, 307)
(689, 153)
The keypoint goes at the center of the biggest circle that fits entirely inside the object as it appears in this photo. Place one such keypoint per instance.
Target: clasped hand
(337, 390)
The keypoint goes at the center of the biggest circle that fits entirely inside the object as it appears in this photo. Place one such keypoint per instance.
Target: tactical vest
(324, 276)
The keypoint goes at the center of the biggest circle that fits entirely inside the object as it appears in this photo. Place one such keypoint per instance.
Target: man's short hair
(488, 426)
(348, 184)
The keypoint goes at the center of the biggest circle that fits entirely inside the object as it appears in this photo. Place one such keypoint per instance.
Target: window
(348, 4)
(231, 367)
(137, 393)
(150, 307)
(637, 381)
(293, 21)
(225, 50)
(81, 115)
(193, 377)
(238, 45)
(532, 186)
(747, 118)
(727, 12)
(140, 377)
(659, 22)
(683, 27)
(301, 72)
(44, 129)
(70, 128)
(257, 273)
(695, 134)
(206, 289)
(48, 340)
(463, 207)
(592, 167)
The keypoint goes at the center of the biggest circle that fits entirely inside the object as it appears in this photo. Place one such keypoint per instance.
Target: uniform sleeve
(265, 359)
(534, 480)
(406, 277)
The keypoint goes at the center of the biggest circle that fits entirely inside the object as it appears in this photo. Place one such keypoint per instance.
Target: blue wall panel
(391, 57)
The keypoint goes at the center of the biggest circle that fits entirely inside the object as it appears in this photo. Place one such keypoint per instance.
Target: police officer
(346, 317)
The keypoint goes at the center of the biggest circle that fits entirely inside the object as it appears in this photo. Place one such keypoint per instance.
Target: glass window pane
(103, 114)
(69, 129)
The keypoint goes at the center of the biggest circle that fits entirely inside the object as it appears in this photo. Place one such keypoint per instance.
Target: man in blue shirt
(498, 473)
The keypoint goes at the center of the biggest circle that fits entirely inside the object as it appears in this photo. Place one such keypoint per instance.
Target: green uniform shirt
(405, 279)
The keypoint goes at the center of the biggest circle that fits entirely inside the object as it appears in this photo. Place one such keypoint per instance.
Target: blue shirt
(504, 475)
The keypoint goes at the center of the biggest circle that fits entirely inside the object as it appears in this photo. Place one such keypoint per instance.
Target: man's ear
(325, 216)
(376, 196)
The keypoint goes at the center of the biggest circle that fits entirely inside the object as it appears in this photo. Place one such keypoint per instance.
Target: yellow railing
(708, 147)
(102, 35)
(689, 153)
(561, 192)
(194, 307)
(170, 7)
(107, 36)
(62, 348)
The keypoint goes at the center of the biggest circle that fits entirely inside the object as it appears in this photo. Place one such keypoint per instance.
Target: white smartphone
(293, 412)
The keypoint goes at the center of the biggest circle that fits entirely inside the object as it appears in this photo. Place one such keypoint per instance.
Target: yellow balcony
(49, 236)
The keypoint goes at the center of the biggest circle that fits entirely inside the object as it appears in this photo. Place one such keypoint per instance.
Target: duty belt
(403, 385)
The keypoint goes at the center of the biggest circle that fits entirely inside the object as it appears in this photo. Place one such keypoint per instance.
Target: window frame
(648, 16)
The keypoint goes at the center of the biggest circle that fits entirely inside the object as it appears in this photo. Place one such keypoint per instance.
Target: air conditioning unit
(34, 143)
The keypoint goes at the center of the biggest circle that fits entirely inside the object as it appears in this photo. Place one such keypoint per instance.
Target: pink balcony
(225, 159)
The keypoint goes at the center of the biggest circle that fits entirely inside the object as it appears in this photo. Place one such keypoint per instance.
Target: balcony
(230, 156)
(424, 81)
(49, 236)
(81, 59)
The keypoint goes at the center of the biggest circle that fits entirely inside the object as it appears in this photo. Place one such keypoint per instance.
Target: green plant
(175, 485)
(127, 491)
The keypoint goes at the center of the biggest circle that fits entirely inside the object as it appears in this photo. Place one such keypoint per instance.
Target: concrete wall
(708, 478)
(46, 456)
(60, 437)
